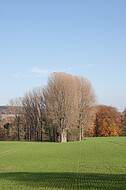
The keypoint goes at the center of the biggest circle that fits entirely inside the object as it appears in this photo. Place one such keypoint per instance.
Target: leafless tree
(60, 100)
(86, 105)
(33, 107)
(17, 110)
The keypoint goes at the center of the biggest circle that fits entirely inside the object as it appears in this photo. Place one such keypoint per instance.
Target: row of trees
(108, 122)
(63, 110)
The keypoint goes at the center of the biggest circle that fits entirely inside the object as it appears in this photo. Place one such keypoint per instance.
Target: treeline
(63, 110)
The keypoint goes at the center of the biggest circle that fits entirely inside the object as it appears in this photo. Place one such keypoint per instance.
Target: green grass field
(95, 163)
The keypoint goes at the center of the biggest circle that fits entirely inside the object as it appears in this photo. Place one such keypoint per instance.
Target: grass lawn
(95, 163)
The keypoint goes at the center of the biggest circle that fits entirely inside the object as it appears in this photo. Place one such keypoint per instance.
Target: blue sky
(81, 37)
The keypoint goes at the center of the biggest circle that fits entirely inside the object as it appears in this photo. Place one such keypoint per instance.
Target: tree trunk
(63, 136)
(80, 134)
(18, 128)
(41, 130)
(30, 135)
(53, 135)
(37, 134)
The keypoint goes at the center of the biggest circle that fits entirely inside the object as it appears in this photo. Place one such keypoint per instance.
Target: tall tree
(40, 107)
(86, 105)
(29, 103)
(33, 108)
(59, 100)
(69, 102)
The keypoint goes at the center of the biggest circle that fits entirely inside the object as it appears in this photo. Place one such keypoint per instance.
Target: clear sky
(81, 37)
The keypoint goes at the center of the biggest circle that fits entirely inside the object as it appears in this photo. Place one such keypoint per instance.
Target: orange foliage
(107, 122)
(1, 132)
(124, 117)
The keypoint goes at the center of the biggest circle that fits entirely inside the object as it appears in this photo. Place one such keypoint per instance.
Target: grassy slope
(96, 163)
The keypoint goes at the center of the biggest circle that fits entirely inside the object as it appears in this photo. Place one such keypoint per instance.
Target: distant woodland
(64, 110)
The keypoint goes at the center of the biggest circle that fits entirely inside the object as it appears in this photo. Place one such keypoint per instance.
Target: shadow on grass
(64, 180)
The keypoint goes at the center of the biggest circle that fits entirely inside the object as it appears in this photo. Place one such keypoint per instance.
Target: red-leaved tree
(107, 122)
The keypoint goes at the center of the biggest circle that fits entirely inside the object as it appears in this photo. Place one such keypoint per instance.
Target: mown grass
(95, 163)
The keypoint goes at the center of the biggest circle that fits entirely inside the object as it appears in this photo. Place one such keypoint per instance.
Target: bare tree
(33, 107)
(86, 105)
(70, 102)
(41, 106)
(30, 112)
(17, 110)
(60, 102)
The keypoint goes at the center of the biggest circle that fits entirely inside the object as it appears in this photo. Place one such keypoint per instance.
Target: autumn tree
(86, 105)
(59, 100)
(2, 133)
(69, 103)
(107, 122)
